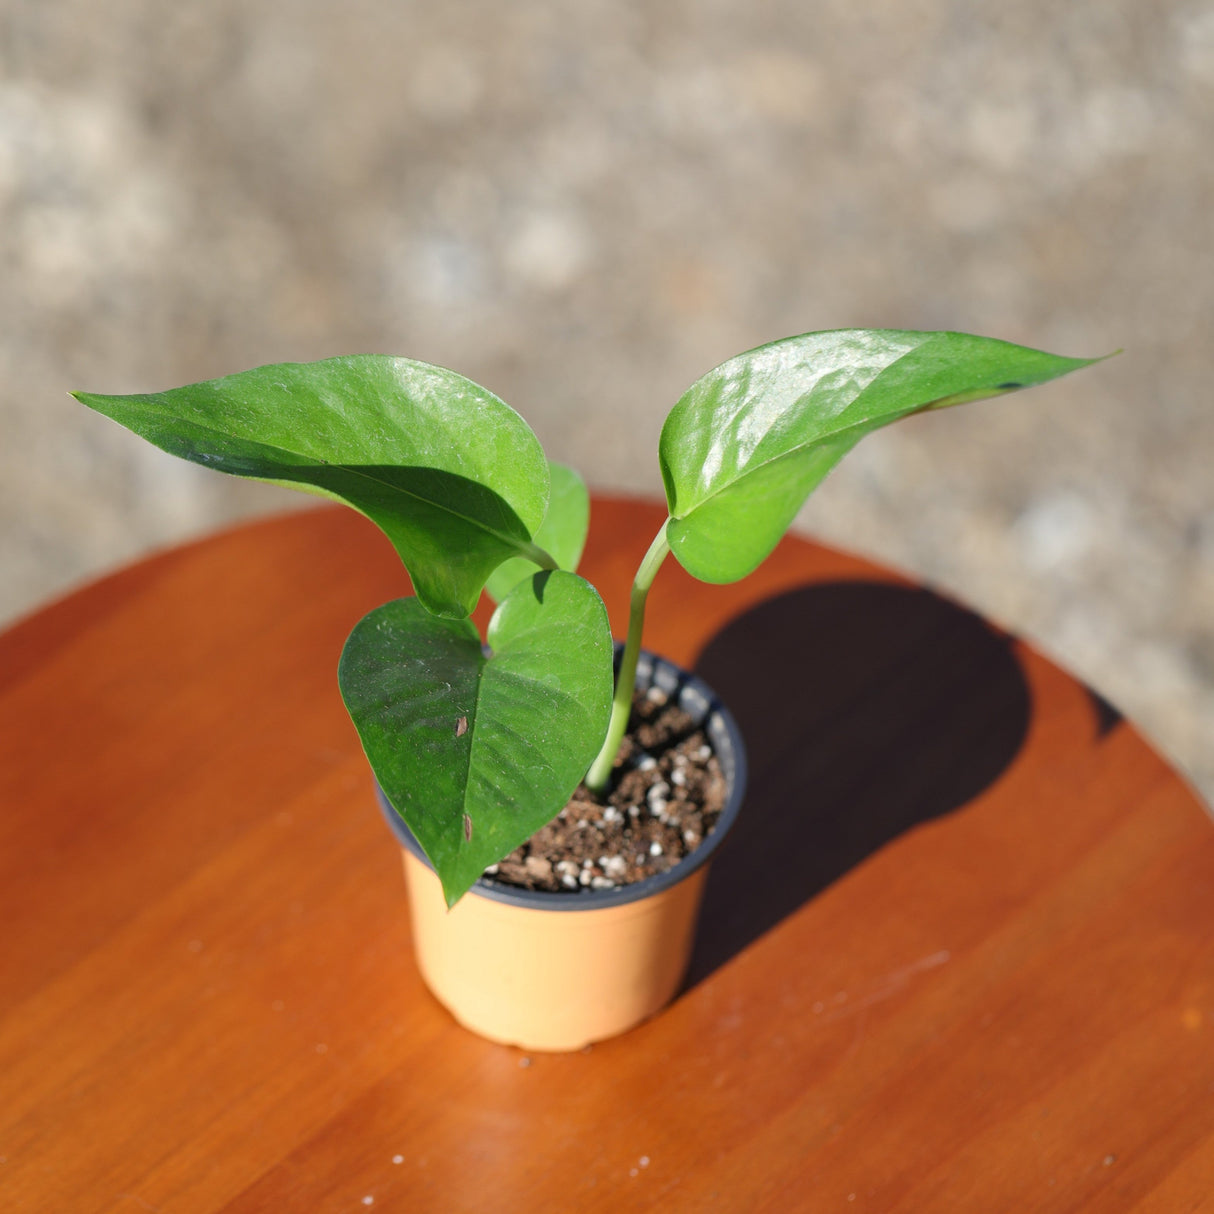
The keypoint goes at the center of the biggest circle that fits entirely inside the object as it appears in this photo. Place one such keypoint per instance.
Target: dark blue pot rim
(697, 699)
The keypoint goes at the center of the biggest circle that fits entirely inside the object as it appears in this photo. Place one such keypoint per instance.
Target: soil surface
(666, 795)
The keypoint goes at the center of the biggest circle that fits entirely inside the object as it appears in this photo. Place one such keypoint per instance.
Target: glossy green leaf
(562, 533)
(476, 753)
(453, 476)
(747, 443)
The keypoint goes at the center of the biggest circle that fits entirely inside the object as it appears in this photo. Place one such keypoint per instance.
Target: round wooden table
(958, 955)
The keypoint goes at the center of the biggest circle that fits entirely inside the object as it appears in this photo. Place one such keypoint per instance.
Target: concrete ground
(585, 205)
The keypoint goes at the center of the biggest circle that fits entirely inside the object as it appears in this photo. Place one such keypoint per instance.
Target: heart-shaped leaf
(747, 443)
(562, 533)
(453, 476)
(476, 753)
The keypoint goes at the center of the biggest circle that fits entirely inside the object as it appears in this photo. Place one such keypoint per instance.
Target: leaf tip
(452, 893)
(1077, 364)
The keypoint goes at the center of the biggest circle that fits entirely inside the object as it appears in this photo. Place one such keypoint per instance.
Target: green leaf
(477, 753)
(562, 533)
(748, 443)
(453, 476)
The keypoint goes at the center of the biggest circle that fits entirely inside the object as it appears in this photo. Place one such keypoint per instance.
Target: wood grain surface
(960, 955)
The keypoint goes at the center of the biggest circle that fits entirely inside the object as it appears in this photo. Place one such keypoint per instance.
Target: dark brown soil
(666, 794)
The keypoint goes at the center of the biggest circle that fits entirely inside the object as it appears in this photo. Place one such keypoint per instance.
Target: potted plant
(477, 746)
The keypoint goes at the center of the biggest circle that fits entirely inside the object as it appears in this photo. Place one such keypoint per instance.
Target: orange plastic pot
(556, 971)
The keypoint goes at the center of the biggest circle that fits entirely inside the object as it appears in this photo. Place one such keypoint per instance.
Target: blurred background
(585, 206)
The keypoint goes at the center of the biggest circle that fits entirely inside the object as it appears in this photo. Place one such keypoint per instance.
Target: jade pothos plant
(478, 746)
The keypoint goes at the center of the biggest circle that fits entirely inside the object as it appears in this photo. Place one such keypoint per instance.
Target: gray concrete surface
(586, 205)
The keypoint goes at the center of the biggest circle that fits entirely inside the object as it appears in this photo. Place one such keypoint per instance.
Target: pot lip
(702, 702)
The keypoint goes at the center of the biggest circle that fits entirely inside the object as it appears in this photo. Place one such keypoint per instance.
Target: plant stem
(545, 560)
(599, 775)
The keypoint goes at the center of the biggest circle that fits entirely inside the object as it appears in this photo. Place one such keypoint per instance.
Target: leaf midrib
(752, 469)
(355, 471)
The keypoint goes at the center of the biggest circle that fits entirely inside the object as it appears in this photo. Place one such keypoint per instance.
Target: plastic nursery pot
(556, 971)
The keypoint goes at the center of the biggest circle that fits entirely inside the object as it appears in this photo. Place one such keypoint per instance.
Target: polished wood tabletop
(958, 953)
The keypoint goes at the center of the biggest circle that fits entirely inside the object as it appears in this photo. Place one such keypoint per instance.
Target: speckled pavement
(585, 206)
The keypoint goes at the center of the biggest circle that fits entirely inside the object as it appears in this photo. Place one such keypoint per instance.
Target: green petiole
(533, 552)
(599, 774)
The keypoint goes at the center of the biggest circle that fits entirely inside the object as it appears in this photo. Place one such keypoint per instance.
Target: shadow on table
(866, 709)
